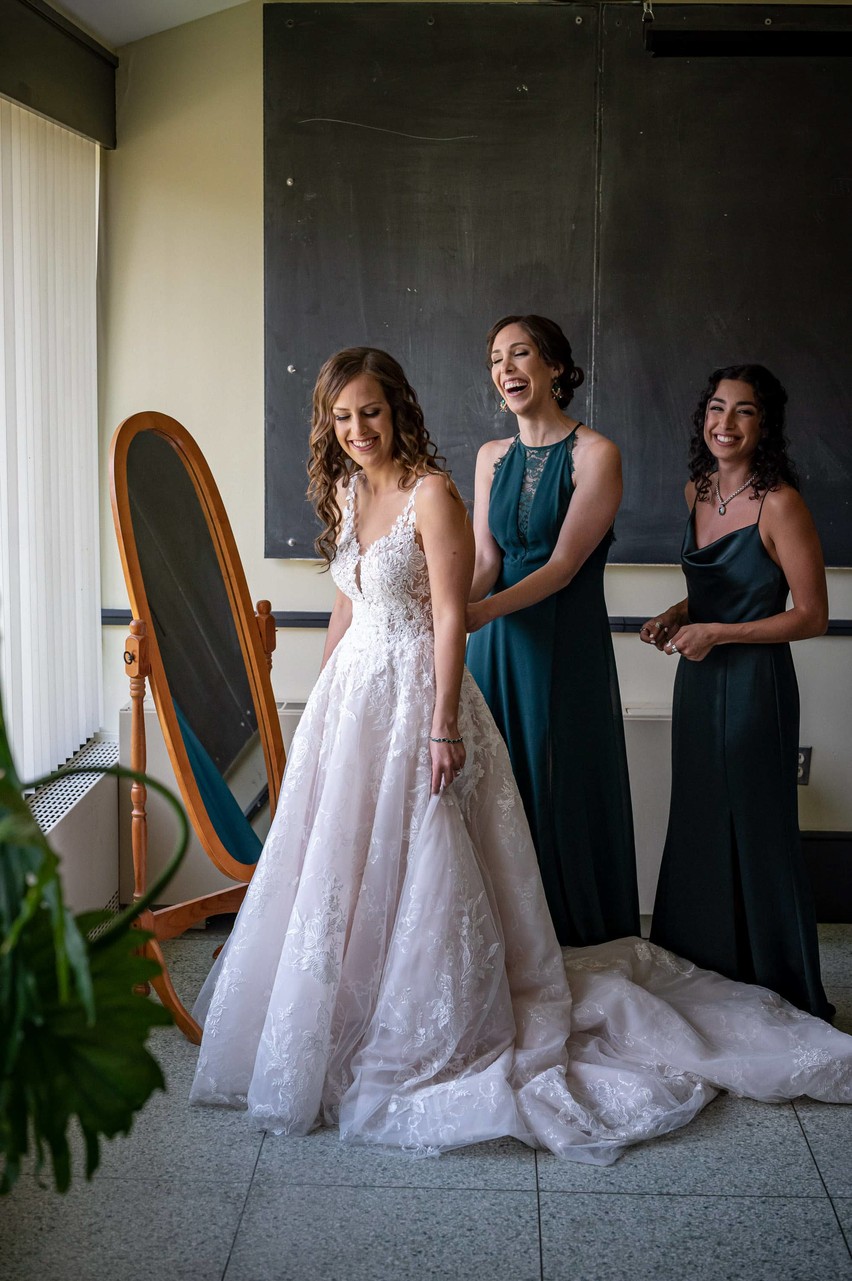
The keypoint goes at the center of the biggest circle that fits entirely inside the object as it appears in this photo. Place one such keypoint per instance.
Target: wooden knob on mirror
(266, 626)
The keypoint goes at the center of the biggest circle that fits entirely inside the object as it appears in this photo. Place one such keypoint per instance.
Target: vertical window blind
(50, 664)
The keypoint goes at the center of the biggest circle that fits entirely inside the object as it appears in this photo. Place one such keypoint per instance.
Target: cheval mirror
(207, 655)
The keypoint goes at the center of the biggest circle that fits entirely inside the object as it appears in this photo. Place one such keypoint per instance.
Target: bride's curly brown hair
(771, 465)
(413, 449)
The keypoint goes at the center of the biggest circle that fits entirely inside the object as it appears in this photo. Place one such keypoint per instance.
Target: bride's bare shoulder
(439, 502)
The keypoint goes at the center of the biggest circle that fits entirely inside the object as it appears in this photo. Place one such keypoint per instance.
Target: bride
(393, 969)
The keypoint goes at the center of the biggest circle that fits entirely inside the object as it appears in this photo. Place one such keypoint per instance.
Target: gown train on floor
(394, 971)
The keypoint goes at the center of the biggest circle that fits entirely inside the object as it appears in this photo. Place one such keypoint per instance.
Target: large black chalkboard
(437, 184)
(724, 237)
(430, 169)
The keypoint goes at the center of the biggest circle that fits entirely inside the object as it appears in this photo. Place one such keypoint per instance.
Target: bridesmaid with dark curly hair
(733, 893)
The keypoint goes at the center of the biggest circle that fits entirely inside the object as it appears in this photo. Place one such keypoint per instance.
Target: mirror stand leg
(164, 987)
(138, 668)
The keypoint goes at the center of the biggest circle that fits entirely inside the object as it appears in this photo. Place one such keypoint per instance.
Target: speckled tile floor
(748, 1190)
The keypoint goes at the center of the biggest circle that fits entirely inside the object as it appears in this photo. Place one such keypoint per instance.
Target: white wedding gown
(393, 969)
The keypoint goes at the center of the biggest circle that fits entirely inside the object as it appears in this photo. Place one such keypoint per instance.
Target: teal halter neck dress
(733, 893)
(548, 675)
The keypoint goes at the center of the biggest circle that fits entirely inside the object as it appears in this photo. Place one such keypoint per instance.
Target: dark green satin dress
(548, 675)
(733, 893)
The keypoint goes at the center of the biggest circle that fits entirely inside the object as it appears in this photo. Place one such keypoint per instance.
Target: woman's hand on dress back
(476, 615)
(447, 762)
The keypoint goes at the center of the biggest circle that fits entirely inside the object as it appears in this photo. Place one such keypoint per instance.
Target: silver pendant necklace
(723, 502)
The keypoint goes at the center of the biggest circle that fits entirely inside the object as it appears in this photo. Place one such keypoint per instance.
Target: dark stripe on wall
(712, 31)
(293, 618)
(828, 856)
(52, 67)
(836, 626)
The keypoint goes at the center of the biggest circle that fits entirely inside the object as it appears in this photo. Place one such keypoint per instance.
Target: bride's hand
(447, 762)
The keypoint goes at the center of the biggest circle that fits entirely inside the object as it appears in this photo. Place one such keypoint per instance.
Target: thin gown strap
(760, 508)
(501, 460)
(570, 441)
(408, 512)
(348, 513)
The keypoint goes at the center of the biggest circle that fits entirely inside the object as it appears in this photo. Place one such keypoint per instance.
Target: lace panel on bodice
(535, 460)
(387, 582)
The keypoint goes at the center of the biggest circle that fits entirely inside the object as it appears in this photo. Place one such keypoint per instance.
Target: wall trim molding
(51, 67)
(296, 618)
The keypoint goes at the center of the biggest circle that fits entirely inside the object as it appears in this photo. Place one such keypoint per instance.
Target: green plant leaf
(72, 1026)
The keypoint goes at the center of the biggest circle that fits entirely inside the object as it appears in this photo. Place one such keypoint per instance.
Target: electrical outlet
(803, 766)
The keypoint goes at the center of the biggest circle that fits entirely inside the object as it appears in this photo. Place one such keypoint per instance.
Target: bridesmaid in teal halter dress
(733, 893)
(542, 651)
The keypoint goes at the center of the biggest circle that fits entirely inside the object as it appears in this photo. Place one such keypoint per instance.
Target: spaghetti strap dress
(733, 894)
(548, 675)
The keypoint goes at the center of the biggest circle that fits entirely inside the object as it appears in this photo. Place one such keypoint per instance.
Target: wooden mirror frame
(256, 634)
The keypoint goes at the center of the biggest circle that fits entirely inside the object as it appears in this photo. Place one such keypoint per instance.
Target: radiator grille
(113, 906)
(50, 803)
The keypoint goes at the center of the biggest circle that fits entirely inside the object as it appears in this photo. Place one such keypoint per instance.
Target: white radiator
(79, 816)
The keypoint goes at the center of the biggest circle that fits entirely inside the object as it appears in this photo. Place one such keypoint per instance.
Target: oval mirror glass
(209, 673)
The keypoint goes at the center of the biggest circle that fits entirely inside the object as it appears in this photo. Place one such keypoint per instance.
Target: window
(49, 561)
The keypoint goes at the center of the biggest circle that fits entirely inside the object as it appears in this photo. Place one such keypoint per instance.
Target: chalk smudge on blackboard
(356, 124)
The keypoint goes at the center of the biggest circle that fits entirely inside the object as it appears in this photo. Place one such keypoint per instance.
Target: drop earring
(503, 405)
(556, 390)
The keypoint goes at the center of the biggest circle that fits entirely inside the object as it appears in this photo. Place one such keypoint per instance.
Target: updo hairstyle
(552, 346)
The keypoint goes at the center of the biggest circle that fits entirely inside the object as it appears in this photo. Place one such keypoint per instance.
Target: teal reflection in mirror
(199, 645)
(224, 806)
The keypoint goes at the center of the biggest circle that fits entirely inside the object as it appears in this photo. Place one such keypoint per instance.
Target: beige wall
(181, 291)
(182, 295)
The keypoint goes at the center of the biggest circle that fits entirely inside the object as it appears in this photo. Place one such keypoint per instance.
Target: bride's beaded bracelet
(432, 739)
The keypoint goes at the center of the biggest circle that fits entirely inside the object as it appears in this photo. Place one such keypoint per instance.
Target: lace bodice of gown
(388, 583)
